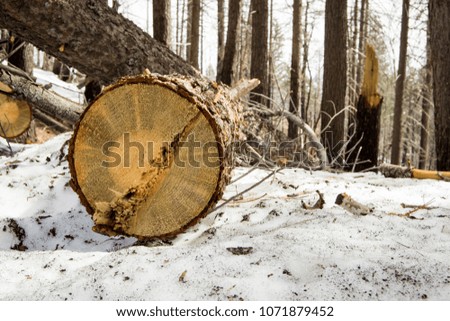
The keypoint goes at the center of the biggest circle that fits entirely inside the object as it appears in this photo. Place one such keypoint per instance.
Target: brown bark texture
(260, 49)
(220, 36)
(294, 101)
(439, 16)
(96, 40)
(231, 47)
(334, 76)
(399, 87)
(195, 33)
(41, 98)
(161, 21)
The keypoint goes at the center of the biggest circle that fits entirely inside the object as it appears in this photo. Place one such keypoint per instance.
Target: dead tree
(363, 145)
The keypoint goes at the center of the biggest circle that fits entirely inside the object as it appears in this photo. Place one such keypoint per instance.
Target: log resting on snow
(396, 171)
(41, 98)
(152, 154)
(90, 36)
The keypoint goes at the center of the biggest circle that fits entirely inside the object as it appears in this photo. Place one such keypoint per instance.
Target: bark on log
(150, 156)
(396, 171)
(49, 102)
(96, 40)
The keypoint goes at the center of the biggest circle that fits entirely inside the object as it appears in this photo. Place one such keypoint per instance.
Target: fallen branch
(318, 205)
(415, 209)
(346, 202)
(396, 171)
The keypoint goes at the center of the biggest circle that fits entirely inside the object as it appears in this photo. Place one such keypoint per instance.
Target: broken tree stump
(363, 145)
(150, 155)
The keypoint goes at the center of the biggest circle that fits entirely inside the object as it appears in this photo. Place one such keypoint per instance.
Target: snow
(65, 89)
(297, 254)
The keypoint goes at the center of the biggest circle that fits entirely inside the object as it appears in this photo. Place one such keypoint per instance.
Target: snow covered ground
(65, 89)
(48, 251)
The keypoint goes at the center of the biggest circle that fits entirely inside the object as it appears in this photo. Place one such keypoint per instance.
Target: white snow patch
(298, 254)
(65, 89)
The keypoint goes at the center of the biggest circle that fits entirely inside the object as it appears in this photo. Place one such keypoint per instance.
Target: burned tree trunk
(363, 145)
(121, 48)
(150, 156)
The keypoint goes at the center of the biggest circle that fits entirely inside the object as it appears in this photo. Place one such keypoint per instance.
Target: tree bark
(334, 77)
(439, 16)
(426, 108)
(306, 38)
(246, 42)
(121, 48)
(260, 50)
(294, 101)
(399, 87)
(220, 36)
(229, 68)
(363, 17)
(161, 21)
(195, 33)
(41, 98)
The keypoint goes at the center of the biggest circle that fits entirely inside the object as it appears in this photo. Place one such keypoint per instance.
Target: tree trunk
(259, 49)
(399, 87)
(121, 48)
(246, 43)
(161, 21)
(439, 16)
(294, 102)
(363, 17)
(426, 104)
(144, 177)
(354, 60)
(306, 38)
(195, 33)
(229, 68)
(334, 77)
(220, 36)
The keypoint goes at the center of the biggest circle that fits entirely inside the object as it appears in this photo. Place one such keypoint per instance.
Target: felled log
(150, 155)
(45, 100)
(396, 171)
(15, 114)
(364, 140)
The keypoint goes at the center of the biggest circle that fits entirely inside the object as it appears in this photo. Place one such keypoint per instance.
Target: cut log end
(15, 116)
(148, 157)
